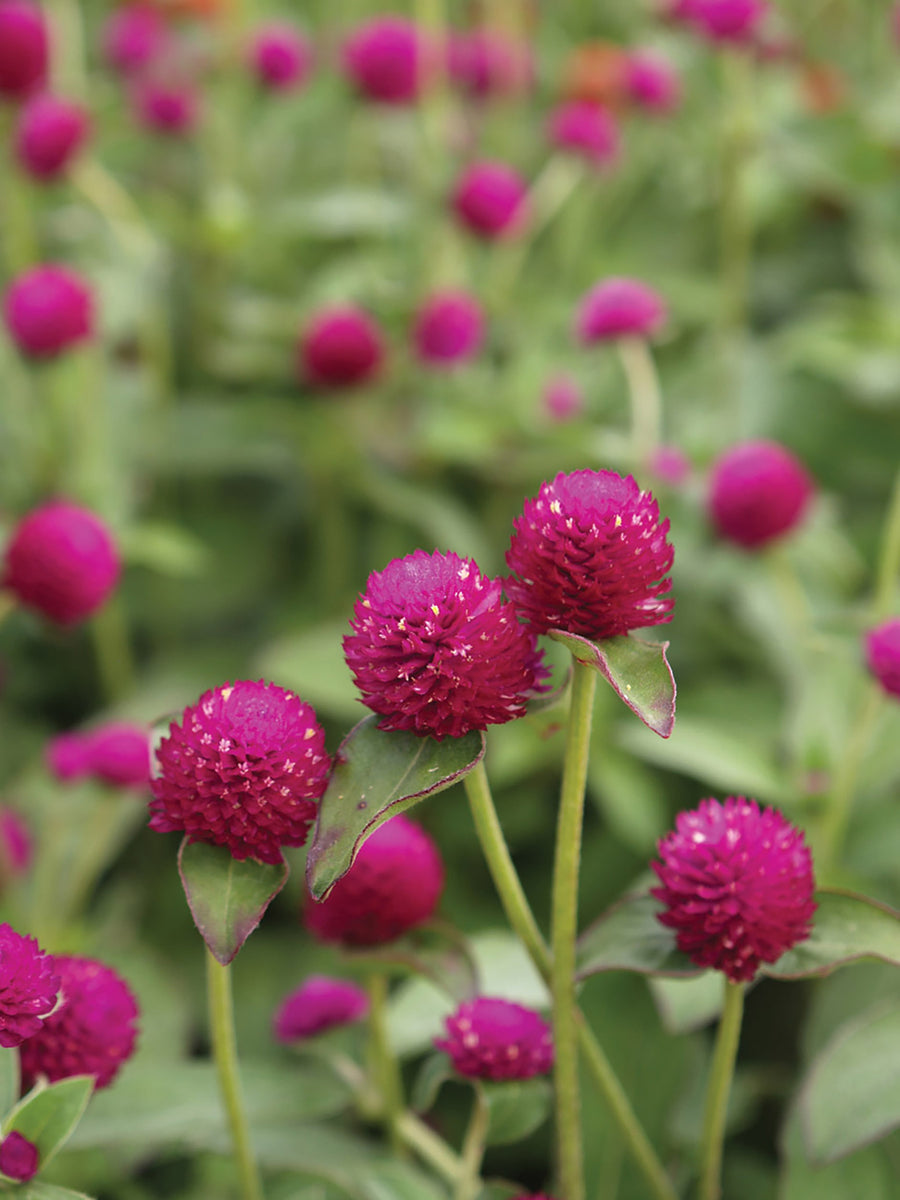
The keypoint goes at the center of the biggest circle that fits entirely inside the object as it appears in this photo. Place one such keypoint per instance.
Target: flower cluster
(490, 1038)
(29, 984)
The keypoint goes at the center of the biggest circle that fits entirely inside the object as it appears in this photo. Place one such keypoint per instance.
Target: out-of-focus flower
(387, 60)
(394, 885)
(16, 849)
(487, 63)
(727, 20)
(29, 983)
(319, 1004)
(563, 398)
(341, 347)
(586, 129)
(166, 106)
(883, 654)
(281, 56)
(134, 37)
(49, 133)
(653, 83)
(448, 329)
(670, 465)
(758, 491)
(737, 885)
(61, 561)
(490, 1038)
(597, 72)
(48, 309)
(119, 754)
(24, 49)
(66, 757)
(19, 1158)
(619, 307)
(490, 199)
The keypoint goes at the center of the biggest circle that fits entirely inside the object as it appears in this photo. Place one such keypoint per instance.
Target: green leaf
(430, 1078)
(852, 1094)
(638, 672)
(846, 927)
(516, 1109)
(436, 951)
(377, 775)
(688, 1004)
(48, 1115)
(628, 937)
(9, 1079)
(870, 1172)
(227, 898)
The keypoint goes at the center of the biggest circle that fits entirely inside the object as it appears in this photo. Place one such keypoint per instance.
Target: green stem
(20, 241)
(68, 57)
(432, 1149)
(846, 778)
(644, 396)
(737, 148)
(469, 1182)
(564, 922)
(889, 558)
(718, 1089)
(224, 1045)
(383, 1062)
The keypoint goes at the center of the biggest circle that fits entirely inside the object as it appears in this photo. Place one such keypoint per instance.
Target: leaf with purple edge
(227, 898)
(846, 927)
(377, 774)
(638, 672)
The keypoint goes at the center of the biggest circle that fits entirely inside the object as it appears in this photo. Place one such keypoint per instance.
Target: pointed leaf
(9, 1080)
(852, 1094)
(430, 1078)
(516, 1108)
(48, 1115)
(378, 774)
(227, 898)
(638, 672)
(628, 937)
(846, 927)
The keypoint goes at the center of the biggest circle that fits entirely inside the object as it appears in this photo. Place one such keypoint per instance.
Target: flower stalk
(383, 1063)
(718, 1090)
(473, 1148)
(644, 396)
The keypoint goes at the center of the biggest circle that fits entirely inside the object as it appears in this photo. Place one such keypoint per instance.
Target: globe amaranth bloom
(491, 200)
(319, 1004)
(134, 37)
(448, 329)
(591, 556)
(62, 561)
(29, 984)
(619, 308)
(563, 398)
(167, 106)
(244, 769)
(118, 753)
(757, 492)
(280, 56)
(736, 885)
(653, 83)
(24, 49)
(882, 646)
(486, 63)
(727, 20)
(387, 60)
(436, 650)
(92, 1031)
(49, 134)
(489, 1038)
(394, 885)
(587, 130)
(341, 347)
(48, 309)
(19, 1158)
(16, 848)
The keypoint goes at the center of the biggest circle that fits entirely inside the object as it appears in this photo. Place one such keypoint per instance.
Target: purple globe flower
(388, 60)
(563, 398)
(244, 769)
(491, 200)
(319, 1004)
(169, 107)
(19, 1158)
(727, 20)
(47, 310)
(489, 1038)
(487, 63)
(280, 56)
(24, 49)
(134, 37)
(435, 648)
(591, 557)
(586, 129)
(341, 347)
(883, 654)
(448, 329)
(618, 308)
(119, 754)
(736, 884)
(49, 134)
(29, 984)
(66, 756)
(758, 491)
(652, 83)
(16, 847)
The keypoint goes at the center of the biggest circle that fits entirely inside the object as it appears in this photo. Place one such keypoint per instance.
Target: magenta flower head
(883, 655)
(19, 1158)
(436, 650)
(736, 885)
(319, 1004)
(49, 134)
(448, 329)
(244, 769)
(134, 37)
(342, 347)
(670, 465)
(47, 310)
(29, 983)
(488, 1038)
(652, 83)
(92, 1032)
(66, 756)
(563, 398)
(618, 308)
(491, 200)
(165, 106)
(757, 492)
(24, 49)
(16, 847)
(61, 561)
(387, 60)
(591, 556)
(728, 20)
(280, 56)
(486, 63)
(585, 129)
(119, 754)
(394, 885)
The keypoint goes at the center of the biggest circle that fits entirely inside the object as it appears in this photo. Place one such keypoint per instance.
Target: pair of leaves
(47, 1116)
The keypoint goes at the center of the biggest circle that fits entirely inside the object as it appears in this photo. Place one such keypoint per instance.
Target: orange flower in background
(597, 71)
(823, 88)
(202, 10)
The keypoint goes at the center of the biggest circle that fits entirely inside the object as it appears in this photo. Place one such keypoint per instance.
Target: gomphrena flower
(491, 199)
(134, 37)
(387, 60)
(448, 329)
(737, 885)
(435, 648)
(61, 561)
(653, 84)
(19, 1158)
(49, 134)
(48, 309)
(243, 769)
(591, 556)
(618, 308)
(24, 49)
(281, 56)
(757, 492)
(341, 347)
(670, 465)
(486, 63)
(563, 398)
(489, 1038)
(29, 984)
(319, 1004)
(585, 129)
(118, 753)
(394, 885)
(169, 107)
(66, 757)
(16, 848)
(727, 20)
(883, 654)
(93, 1030)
